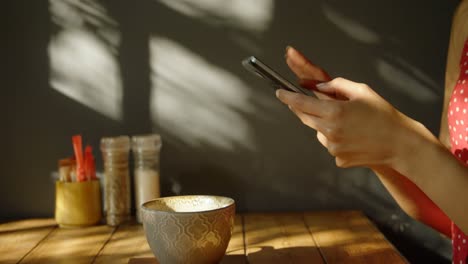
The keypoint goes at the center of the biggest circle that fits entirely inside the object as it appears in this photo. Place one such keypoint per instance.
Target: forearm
(412, 200)
(435, 171)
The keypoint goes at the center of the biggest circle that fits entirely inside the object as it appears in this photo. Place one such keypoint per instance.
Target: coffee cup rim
(231, 202)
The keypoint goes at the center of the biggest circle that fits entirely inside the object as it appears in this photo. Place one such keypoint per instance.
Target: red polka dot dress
(458, 126)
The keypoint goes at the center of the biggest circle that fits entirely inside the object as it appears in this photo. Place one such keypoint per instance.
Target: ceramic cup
(77, 204)
(188, 229)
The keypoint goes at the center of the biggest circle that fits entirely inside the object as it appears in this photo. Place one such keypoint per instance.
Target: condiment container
(117, 193)
(77, 204)
(146, 153)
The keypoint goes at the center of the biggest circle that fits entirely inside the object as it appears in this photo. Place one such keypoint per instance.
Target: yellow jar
(77, 204)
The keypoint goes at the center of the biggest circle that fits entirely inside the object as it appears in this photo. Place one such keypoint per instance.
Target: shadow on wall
(173, 67)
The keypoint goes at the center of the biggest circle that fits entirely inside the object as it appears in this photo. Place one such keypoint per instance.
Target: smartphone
(259, 68)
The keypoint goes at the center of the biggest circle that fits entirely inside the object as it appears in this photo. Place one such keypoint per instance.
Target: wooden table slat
(235, 252)
(320, 237)
(279, 238)
(76, 245)
(349, 237)
(128, 241)
(18, 238)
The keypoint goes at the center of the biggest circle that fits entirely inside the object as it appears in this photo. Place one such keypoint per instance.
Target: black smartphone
(259, 68)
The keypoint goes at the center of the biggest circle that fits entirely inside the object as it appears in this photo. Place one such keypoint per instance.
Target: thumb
(312, 85)
(340, 87)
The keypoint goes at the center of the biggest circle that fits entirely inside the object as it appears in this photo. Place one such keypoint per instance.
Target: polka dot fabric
(458, 126)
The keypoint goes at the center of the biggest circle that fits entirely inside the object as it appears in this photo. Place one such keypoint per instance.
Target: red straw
(92, 167)
(86, 165)
(78, 148)
(90, 170)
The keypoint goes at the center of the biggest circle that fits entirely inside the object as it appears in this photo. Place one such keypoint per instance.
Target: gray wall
(173, 68)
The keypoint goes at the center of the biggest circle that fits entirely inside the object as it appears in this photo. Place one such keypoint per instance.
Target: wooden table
(317, 237)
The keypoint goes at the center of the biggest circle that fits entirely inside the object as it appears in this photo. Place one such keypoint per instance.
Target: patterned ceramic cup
(188, 229)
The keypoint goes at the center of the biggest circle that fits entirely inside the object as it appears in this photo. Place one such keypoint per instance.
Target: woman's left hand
(359, 129)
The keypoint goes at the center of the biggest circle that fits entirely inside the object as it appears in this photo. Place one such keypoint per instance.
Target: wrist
(414, 144)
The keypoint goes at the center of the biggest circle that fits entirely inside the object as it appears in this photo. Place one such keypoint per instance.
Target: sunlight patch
(351, 27)
(250, 15)
(83, 65)
(408, 80)
(197, 101)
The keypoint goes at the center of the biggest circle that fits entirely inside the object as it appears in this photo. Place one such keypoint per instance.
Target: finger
(312, 85)
(304, 103)
(309, 84)
(342, 163)
(308, 120)
(322, 139)
(349, 158)
(341, 88)
(303, 68)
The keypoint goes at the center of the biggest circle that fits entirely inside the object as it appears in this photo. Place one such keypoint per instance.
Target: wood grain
(20, 237)
(78, 245)
(128, 242)
(349, 237)
(279, 238)
(147, 260)
(235, 253)
(324, 237)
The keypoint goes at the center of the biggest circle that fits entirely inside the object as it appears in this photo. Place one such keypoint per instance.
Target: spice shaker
(146, 153)
(115, 151)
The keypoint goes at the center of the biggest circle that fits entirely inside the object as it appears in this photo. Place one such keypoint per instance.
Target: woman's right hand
(355, 124)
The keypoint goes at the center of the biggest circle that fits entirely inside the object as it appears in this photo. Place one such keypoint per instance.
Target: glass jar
(146, 152)
(117, 191)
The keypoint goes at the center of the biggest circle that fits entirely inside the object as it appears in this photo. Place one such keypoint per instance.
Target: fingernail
(277, 93)
(286, 54)
(320, 86)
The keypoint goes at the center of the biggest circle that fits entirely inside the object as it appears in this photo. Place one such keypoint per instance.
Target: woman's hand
(360, 128)
(355, 124)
